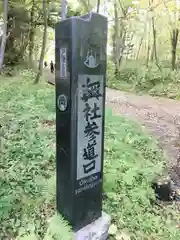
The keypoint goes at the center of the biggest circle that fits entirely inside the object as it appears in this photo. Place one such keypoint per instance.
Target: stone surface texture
(97, 230)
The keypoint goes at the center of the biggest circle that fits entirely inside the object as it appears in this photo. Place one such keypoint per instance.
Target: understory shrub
(138, 78)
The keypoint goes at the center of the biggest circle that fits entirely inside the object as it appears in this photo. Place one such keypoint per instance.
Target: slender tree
(174, 31)
(4, 36)
(98, 5)
(154, 44)
(174, 41)
(40, 68)
(64, 9)
(31, 33)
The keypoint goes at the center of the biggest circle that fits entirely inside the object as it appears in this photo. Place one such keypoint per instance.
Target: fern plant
(58, 229)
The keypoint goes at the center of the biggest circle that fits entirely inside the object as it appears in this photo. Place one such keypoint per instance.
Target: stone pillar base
(97, 230)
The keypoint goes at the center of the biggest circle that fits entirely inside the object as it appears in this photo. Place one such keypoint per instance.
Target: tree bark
(154, 44)
(64, 9)
(174, 40)
(98, 5)
(148, 51)
(31, 34)
(154, 41)
(115, 39)
(139, 49)
(40, 69)
(152, 54)
(4, 36)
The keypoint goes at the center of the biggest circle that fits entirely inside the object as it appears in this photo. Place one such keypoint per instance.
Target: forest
(143, 59)
(143, 49)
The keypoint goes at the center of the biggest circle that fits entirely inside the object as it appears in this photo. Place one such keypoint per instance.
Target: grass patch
(132, 162)
(27, 169)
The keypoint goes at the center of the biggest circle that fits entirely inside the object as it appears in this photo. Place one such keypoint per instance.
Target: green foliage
(134, 76)
(18, 28)
(58, 229)
(27, 175)
(25, 24)
(27, 157)
(125, 78)
(132, 162)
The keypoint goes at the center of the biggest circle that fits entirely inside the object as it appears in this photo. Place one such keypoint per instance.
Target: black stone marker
(80, 103)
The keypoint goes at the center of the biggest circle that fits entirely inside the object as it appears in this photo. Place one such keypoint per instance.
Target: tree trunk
(148, 46)
(64, 9)
(40, 69)
(119, 35)
(31, 34)
(138, 52)
(148, 36)
(98, 5)
(174, 40)
(4, 36)
(148, 51)
(154, 44)
(154, 38)
(152, 54)
(115, 39)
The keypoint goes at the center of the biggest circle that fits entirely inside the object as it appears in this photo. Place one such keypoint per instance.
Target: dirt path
(160, 116)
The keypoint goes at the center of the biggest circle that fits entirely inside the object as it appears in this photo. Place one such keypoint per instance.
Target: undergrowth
(135, 77)
(133, 160)
(27, 170)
